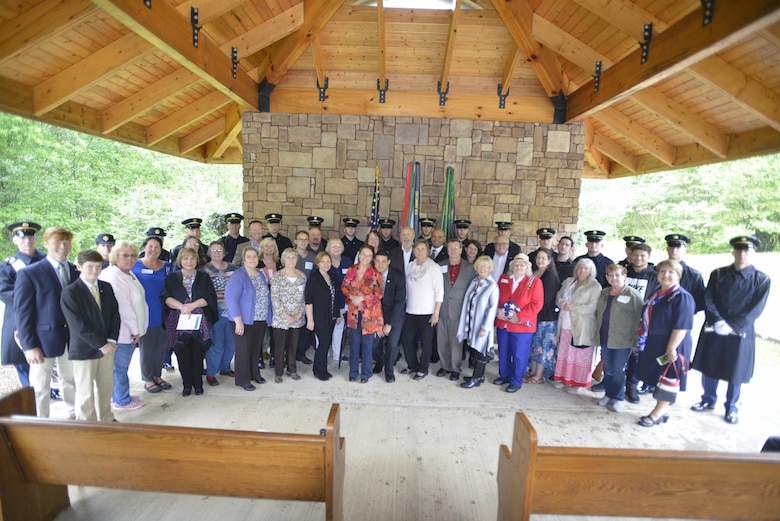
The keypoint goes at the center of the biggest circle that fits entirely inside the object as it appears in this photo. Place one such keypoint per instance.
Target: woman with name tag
(322, 311)
(665, 343)
(339, 266)
(287, 303)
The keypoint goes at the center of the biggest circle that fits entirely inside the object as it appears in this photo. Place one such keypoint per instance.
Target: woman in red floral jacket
(363, 290)
(520, 297)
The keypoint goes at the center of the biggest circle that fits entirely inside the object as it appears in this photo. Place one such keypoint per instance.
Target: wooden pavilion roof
(128, 70)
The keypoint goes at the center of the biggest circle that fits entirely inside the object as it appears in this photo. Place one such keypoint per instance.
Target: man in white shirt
(500, 256)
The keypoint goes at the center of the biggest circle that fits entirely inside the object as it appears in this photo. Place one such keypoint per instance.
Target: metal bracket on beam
(442, 94)
(234, 59)
(709, 7)
(148, 4)
(597, 77)
(560, 104)
(264, 89)
(195, 28)
(648, 35)
(502, 97)
(322, 88)
(382, 92)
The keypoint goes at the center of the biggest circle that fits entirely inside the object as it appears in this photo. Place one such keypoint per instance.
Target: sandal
(532, 380)
(163, 384)
(648, 421)
(154, 388)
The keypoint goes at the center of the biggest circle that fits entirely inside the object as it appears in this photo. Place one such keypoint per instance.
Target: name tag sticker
(147, 271)
(309, 265)
(624, 299)
(443, 269)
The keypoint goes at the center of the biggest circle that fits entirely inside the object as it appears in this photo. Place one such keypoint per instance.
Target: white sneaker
(574, 390)
(605, 400)
(618, 406)
(558, 384)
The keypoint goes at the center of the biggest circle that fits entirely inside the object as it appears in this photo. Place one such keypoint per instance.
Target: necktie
(96, 294)
(62, 272)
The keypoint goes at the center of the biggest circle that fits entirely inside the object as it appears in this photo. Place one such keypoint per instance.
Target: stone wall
(300, 165)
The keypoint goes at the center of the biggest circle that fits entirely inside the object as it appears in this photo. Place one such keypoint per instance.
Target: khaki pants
(40, 380)
(94, 386)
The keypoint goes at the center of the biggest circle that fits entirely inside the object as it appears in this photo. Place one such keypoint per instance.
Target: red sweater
(528, 296)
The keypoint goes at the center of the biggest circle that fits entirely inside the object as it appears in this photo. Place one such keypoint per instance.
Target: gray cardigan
(624, 316)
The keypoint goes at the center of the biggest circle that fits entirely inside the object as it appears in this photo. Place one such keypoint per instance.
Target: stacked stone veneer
(301, 165)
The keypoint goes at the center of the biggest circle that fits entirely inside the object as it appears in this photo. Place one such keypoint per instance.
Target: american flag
(375, 201)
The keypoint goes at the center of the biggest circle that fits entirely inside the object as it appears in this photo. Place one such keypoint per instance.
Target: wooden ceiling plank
(87, 72)
(202, 135)
(624, 125)
(452, 36)
(217, 147)
(598, 161)
(215, 100)
(168, 31)
(615, 152)
(680, 117)
(674, 50)
(518, 18)
(380, 25)
(509, 70)
(750, 94)
(284, 53)
(625, 15)
(772, 35)
(39, 24)
(142, 101)
(209, 10)
(267, 33)
(566, 45)
(365, 102)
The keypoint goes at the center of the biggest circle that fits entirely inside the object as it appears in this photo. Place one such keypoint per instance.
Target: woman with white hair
(477, 318)
(520, 297)
(578, 300)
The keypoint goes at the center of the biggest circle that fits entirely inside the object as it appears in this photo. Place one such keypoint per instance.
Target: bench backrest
(634, 483)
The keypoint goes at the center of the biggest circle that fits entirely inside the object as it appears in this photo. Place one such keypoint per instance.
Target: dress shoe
(294, 376)
(454, 376)
(248, 387)
(648, 421)
(512, 388)
(322, 377)
(378, 368)
(702, 406)
(304, 360)
(419, 376)
(364, 380)
(732, 417)
(407, 371)
(199, 391)
(632, 396)
(389, 378)
(261, 364)
(598, 388)
(271, 362)
(646, 389)
(500, 381)
(187, 391)
(260, 380)
(441, 372)
(212, 381)
(278, 379)
(353, 378)
(168, 367)
(472, 382)
(228, 373)
(344, 358)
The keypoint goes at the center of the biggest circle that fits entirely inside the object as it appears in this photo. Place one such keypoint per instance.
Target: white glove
(722, 328)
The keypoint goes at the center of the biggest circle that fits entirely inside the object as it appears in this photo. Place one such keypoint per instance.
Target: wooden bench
(40, 457)
(633, 483)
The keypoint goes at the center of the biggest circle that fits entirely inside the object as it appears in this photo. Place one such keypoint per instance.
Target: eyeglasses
(217, 251)
(128, 255)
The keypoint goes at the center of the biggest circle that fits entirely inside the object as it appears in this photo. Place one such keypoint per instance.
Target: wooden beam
(215, 100)
(414, 104)
(747, 92)
(144, 100)
(266, 33)
(772, 35)
(380, 25)
(171, 33)
(625, 15)
(567, 46)
(451, 38)
(639, 135)
(209, 10)
(675, 49)
(202, 135)
(40, 23)
(517, 15)
(682, 118)
(509, 70)
(615, 152)
(284, 53)
(217, 147)
(316, 53)
(593, 156)
(85, 73)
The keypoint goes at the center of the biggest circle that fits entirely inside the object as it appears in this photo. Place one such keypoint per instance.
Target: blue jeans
(23, 372)
(222, 348)
(360, 347)
(614, 381)
(513, 352)
(122, 357)
(711, 393)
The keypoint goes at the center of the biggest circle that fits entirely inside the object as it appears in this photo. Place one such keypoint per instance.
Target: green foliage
(710, 204)
(58, 177)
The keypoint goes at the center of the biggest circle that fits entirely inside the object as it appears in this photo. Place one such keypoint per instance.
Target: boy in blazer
(92, 313)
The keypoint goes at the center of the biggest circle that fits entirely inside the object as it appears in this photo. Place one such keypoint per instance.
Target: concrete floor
(423, 450)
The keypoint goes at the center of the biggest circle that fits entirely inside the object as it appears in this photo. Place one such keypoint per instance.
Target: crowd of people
(243, 302)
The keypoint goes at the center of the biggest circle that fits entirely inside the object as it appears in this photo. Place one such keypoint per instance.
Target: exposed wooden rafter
(380, 27)
(202, 135)
(266, 33)
(316, 52)
(615, 152)
(654, 145)
(217, 147)
(185, 116)
(509, 70)
(209, 10)
(450, 49)
(593, 156)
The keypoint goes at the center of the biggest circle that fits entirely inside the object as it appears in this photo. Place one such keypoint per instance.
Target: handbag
(668, 386)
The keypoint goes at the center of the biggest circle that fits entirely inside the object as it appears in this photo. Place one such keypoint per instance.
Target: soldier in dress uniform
(165, 255)
(233, 237)
(545, 237)
(274, 222)
(104, 243)
(691, 280)
(192, 229)
(426, 228)
(462, 230)
(735, 297)
(594, 245)
(24, 236)
(351, 243)
(504, 230)
(386, 234)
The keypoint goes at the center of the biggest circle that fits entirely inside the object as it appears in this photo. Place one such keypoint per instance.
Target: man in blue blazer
(92, 312)
(386, 342)
(42, 329)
